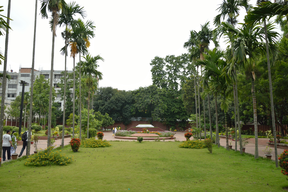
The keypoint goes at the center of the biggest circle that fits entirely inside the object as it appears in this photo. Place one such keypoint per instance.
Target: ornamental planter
(14, 156)
(230, 146)
(243, 149)
(268, 156)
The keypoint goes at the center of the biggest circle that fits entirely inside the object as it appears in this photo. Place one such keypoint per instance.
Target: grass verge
(147, 166)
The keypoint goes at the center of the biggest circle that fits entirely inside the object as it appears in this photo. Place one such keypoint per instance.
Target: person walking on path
(25, 140)
(6, 145)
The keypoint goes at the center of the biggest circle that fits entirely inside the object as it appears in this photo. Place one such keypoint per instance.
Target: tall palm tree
(5, 26)
(267, 9)
(231, 9)
(89, 69)
(197, 43)
(55, 7)
(213, 66)
(67, 19)
(82, 33)
(32, 80)
(248, 43)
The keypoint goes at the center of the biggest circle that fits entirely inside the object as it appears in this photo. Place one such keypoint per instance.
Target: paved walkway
(250, 147)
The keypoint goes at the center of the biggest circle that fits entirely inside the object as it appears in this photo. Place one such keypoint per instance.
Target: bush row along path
(250, 147)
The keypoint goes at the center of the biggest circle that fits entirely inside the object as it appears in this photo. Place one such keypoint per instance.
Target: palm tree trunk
(226, 128)
(88, 113)
(4, 79)
(217, 128)
(80, 105)
(271, 94)
(74, 97)
(195, 88)
(204, 118)
(51, 89)
(255, 118)
(238, 115)
(199, 104)
(235, 116)
(64, 98)
(210, 122)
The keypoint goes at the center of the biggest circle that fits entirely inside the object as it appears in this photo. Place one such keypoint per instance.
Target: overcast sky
(128, 35)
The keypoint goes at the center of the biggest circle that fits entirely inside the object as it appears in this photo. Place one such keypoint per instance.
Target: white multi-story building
(14, 88)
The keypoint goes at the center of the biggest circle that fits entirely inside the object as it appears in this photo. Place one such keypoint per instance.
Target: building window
(25, 75)
(46, 76)
(11, 94)
(14, 76)
(58, 95)
(12, 86)
(57, 76)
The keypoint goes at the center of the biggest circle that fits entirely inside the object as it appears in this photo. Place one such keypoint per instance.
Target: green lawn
(147, 166)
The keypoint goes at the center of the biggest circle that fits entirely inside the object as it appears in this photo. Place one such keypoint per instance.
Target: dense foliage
(48, 157)
(93, 143)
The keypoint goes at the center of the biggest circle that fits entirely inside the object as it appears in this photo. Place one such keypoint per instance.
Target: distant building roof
(26, 70)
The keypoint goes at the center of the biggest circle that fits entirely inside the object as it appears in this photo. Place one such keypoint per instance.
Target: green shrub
(209, 144)
(16, 129)
(36, 127)
(213, 137)
(92, 133)
(194, 144)
(7, 128)
(48, 157)
(140, 139)
(68, 129)
(60, 127)
(283, 162)
(93, 143)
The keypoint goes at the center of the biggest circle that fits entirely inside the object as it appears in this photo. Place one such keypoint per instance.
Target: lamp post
(21, 107)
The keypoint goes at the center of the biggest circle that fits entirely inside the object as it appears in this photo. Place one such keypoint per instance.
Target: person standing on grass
(6, 145)
(25, 140)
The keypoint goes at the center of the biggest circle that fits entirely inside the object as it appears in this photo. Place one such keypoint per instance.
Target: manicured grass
(147, 166)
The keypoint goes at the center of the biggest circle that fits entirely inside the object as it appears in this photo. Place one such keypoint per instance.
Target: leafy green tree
(118, 104)
(40, 100)
(93, 122)
(148, 101)
(105, 119)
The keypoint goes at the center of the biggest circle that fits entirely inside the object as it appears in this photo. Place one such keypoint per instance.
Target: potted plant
(100, 135)
(230, 145)
(269, 135)
(75, 144)
(268, 152)
(188, 135)
(244, 143)
(278, 137)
